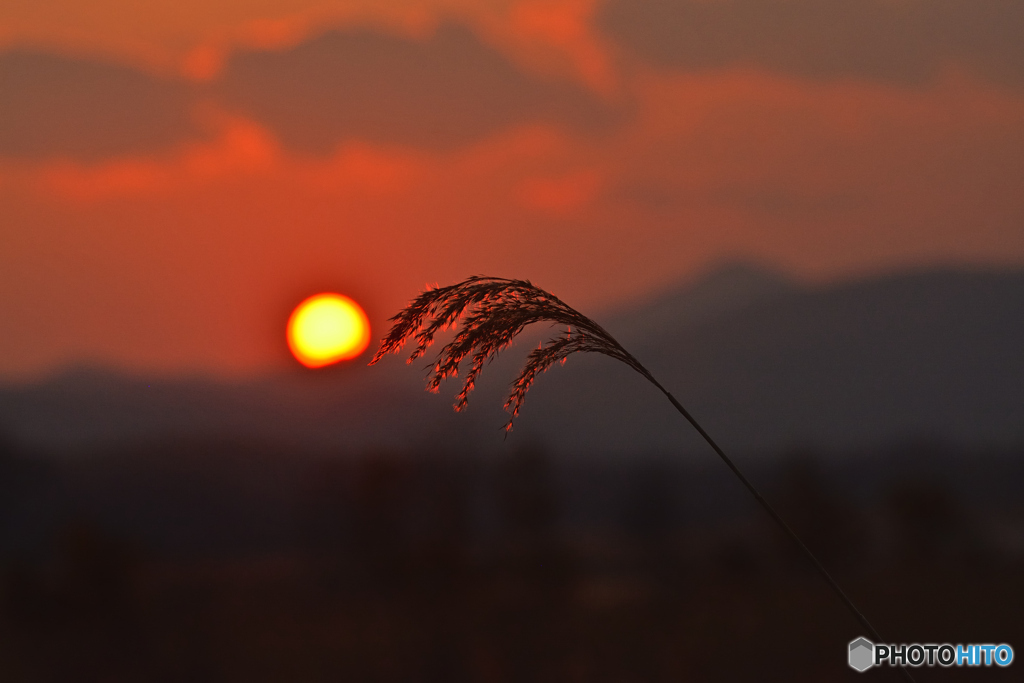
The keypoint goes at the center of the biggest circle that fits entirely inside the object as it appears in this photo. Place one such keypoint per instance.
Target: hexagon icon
(862, 654)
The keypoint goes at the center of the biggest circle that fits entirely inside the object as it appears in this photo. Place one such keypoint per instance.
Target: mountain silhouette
(764, 362)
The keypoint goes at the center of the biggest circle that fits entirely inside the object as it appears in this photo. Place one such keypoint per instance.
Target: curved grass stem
(493, 311)
(781, 522)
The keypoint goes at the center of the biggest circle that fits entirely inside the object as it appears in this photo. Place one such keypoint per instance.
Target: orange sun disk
(327, 328)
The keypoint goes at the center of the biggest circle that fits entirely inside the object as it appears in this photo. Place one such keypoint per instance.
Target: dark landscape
(349, 526)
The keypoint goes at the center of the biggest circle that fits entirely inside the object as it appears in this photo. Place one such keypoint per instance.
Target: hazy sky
(176, 174)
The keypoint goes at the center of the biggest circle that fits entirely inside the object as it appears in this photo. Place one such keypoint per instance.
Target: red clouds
(162, 223)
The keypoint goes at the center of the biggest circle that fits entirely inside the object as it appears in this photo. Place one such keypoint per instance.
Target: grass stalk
(492, 312)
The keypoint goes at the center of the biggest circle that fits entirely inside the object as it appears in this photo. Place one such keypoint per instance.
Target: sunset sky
(175, 175)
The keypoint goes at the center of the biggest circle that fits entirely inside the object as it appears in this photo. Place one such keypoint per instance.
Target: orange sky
(175, 176)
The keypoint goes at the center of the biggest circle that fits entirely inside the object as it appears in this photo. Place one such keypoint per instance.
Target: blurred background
(806, 219)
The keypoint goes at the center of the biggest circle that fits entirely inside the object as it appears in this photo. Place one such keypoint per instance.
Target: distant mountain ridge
(933, 355)
(723, 290)
(765, 363)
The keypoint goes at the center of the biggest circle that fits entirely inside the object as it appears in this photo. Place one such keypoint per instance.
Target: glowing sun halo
(327, 328)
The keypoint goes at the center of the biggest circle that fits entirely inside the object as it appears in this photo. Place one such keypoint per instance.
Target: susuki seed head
(492, 312)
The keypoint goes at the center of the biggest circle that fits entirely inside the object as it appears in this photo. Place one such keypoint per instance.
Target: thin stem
(498, 309)
(778, 519)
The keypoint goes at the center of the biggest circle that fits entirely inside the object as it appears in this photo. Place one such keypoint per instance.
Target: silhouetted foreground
(213, 561)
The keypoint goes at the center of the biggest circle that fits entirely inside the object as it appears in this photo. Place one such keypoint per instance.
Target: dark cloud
(905, 41)
(60, 106)
(439, 93)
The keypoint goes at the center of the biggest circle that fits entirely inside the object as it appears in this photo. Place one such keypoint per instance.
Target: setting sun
(327, 328)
